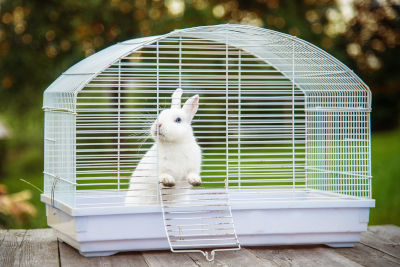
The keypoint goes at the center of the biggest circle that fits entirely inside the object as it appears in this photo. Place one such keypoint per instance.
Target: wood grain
(2, 235)
(167, 258)
(385, 238)
(39, 248)
(71, 257)
(379, 247)
(302, 256)
(231, 258)
(367, 256)
(10, 249)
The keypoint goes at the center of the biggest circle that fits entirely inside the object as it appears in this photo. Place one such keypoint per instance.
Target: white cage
(283, 126)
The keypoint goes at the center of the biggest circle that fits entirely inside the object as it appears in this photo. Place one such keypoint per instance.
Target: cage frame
(60, 98)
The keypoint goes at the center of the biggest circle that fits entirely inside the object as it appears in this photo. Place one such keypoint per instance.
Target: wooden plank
(302, 256)
(368, 256)
(385, 238)
(2, 235)
(378, 247)
(11, 247)
(39, 248)
(126, 259)
(167, 259)
(71, 257)
(231, 258)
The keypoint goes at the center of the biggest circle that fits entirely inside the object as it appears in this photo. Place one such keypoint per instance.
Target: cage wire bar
(278, 119)
(196, 219)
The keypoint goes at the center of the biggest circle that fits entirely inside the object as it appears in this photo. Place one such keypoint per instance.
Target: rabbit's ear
(176, 98)
(191, 105)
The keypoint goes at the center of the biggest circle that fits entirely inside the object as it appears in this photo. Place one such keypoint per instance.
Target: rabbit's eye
(178, 120)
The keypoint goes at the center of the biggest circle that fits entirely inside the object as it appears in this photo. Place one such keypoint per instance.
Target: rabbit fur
(178, 154)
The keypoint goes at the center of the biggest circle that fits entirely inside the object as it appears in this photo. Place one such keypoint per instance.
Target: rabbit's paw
(167, 180)
(194, 179)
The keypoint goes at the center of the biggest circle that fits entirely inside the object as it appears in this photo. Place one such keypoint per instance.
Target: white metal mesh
(59, 156)
(278, 119)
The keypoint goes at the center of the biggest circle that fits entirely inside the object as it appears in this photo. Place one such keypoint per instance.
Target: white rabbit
(175, 156)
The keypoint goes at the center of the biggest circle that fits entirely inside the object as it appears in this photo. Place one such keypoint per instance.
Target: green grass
(14, 184)
(385, 185)
(386, 178)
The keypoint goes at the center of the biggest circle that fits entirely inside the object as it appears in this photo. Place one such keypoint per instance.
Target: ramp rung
(206, 245)
(198, 218)
(197, 211)
(184, 236)
(201, 229)
(201, 239)
(197, 224)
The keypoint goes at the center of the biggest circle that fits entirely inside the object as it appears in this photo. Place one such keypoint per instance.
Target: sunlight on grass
(386, 178)
(385, 188)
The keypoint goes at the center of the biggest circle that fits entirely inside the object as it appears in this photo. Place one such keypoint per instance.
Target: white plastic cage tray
(262, 218)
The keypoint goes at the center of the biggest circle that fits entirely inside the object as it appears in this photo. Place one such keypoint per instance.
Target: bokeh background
(39, 39)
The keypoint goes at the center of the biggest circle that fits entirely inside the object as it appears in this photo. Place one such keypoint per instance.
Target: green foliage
(38, 220)
(386, 178)
(41, 39)
(385, 183)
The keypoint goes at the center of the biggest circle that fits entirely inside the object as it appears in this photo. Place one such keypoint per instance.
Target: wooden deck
(380, 246)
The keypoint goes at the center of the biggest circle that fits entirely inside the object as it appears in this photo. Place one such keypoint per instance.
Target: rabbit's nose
(159, 125)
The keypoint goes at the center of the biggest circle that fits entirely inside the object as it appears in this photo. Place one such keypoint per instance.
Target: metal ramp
(198, 220)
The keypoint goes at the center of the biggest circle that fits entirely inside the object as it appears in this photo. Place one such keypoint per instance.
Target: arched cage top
(311, 69)
(275, 111)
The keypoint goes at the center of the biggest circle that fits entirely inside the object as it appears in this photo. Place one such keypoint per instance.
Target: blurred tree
(39, 39)
(15, 208)
(371, 42)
